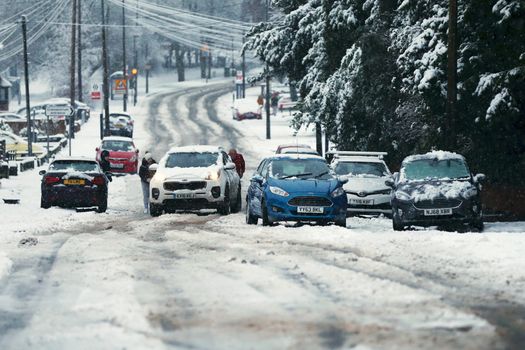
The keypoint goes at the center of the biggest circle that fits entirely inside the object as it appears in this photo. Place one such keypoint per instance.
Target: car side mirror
(479, 178)
(153, 167)
(343, 179)
(390, 183)
(257, 178)
(42, 172)
(229, 166)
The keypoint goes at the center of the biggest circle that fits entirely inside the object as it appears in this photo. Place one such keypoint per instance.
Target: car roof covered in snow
(119, 114)
(295, 156)
(195, 149)
(360, 159)
(75, 159)
(117, 138)
(439, 155)
(301, 150)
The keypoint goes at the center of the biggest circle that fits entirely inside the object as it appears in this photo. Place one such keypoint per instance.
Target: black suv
(435, 189)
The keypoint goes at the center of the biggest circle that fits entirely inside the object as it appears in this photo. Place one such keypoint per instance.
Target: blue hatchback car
(292, 187)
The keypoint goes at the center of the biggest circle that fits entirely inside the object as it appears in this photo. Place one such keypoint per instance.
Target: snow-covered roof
(302, 150)
(117, 138)
(73, 158)
(360, 159)
(195, 149)
(295, 156)
(439, 155)
(119, 114)
(244, 105)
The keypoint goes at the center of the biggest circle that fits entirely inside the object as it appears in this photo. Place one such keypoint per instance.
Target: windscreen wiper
(322, 174)
(295, 175)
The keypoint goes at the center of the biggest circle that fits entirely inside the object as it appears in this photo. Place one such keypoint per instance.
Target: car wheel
(103, 206)
(44, 204)
(237, 206)
(265, 218)
(155, 209)
(225, 207)
(250, 218)
(341, 222)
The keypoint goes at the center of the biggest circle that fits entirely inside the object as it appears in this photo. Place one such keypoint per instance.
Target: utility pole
(72, 67)
(147, 67)
(243, 70)
(80, 98)
(135, 66)
(26, 77)
(452, 74)
(124, 70)
(105, 83)
(268, 125)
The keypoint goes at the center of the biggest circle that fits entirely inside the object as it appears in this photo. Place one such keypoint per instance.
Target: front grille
(192, 186)
(384, 206)
(310, 202)
(438, 203)
(365, 194)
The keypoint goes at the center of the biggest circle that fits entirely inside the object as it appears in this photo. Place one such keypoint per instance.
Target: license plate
(117, 166)
(436, 212)
(362, 201)
(184, 195)
(74, 182)
(310, 210)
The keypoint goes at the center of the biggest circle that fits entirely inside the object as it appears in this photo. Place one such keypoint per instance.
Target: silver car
(365, 190)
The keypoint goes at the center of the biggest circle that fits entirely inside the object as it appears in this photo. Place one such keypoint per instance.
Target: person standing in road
(104, 162)
(145, 178)
(274, 102)
(238, 160)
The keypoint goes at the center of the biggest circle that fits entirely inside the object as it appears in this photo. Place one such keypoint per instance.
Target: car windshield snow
(69, 166)
(192, 160)
(117, 146)
(361, 169)
(300, 168)
(435, 169)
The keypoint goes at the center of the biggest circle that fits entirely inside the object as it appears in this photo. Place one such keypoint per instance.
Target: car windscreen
(69, 166)
(435, 169)
(361, 169)
(117, 146)
(289, 168)
(192, 159)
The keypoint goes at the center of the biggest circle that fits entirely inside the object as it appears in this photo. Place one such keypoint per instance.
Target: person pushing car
(145, 178)
(238, 160)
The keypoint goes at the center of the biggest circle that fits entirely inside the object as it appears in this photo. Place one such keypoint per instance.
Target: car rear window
(117, 146)
(192, 160)
(69, 166)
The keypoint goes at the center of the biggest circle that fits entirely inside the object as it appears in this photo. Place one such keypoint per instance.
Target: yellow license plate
(74, 182)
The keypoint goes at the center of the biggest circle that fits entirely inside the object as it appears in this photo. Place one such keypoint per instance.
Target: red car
(123, 155)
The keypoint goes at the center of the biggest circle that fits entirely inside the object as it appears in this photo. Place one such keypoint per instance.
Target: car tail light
(49, 180)
(98, 180)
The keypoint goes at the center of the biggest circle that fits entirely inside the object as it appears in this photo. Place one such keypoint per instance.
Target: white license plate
(310, 210)
(117, 166)
(184, 195)
(362, 201)
(436, 212)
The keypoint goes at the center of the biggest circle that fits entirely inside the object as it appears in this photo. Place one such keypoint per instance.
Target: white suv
(366, 190)
(193, 178)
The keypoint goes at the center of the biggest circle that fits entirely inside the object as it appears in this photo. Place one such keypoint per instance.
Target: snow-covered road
(124, 280)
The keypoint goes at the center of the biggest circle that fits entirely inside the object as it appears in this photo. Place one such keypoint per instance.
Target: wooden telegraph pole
(452, 73)
(124, 70)
(105, 83)
(72, 67)
(268, 124)
(79, 46)
(26, 77)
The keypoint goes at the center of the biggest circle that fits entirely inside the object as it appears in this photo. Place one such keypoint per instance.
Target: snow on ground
(125, 280)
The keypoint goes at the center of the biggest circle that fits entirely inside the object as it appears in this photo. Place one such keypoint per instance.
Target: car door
(230, 179)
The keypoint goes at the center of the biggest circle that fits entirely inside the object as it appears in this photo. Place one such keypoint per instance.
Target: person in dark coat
(238, 160)
(145, 178)
(104, 162)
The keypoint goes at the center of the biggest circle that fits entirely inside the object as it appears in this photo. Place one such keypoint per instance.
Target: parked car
(74, 182)
(295, 188)
(246, 109)
(193, 178)
(283, 147)
(366, 190)
(7, 116)
(121, 124)
(18, 145)
(436, 188)
(123, 155)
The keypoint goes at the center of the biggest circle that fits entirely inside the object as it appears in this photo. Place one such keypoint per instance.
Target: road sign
(120, 86)
(96, 95)
(59, 111)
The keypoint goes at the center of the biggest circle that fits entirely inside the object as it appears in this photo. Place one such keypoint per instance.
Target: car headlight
(402, 196)
(213, 175)
(337, 192)
(278, 191)
(469, 193)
